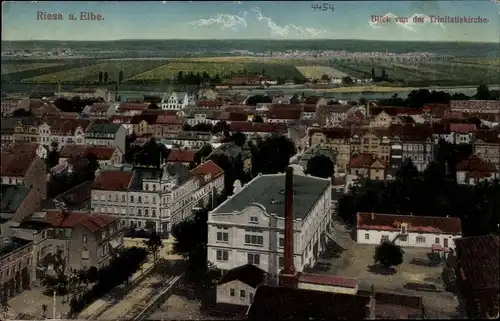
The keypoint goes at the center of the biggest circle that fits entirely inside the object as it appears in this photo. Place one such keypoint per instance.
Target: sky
(251, 20)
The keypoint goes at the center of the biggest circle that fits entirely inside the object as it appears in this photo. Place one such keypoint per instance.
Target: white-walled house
(248, 228)
(410, 231)
(175, 101)
(62, 131)
(104, 134)
(238, 285)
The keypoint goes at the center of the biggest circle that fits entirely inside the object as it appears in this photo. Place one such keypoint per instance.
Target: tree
(153, 245)
(388, 254)
(203, 153)
(258, 119)
(483, 92)
(100, 77)
(54, 276)
(202, 127)
(320, 166)
(220, 127)
(347, 80)
(325, 77)
(105, 77)
(186, 127)
(53, 155)
(21, 113)
(272, 154)
(153, 106)
(120, 76)
(239, 138)
(373, 74)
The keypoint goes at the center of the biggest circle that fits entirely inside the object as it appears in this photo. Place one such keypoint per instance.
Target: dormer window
(254, 219)
(404, 228)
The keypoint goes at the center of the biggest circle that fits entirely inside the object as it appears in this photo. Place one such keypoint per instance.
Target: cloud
(225, 21)
(287, 30)
(407, 23)
(238, 2)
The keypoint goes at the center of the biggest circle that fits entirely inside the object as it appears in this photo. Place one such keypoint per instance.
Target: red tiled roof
(475, 164)
(286, 106)
(69, 151)
(99, 108)
(16, 163)
(312, 100)
(132, 106)
(208, 168)
(475, 104)
(102, 152)
(332, 133)
(418, 224)
(181, 155)
(284, 114)
(121, 119)
(148, 118)
(66, 126)
(309, 108)
(365, 160)
(251, 127)
(210, 103)
(411, 132)
(92, 222)
(462, 128)
(232, 116)
(331, 280)
(113, 181)
(395, 111)
(168, 120)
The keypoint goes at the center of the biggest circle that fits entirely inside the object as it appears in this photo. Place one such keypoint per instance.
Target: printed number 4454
(323, 6)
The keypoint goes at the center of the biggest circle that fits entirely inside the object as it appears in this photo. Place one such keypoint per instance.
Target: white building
(175, 101)
(63, 131)
(248, 228)
(103, 134)
(238, 285)
(411, 231)
(152, 199)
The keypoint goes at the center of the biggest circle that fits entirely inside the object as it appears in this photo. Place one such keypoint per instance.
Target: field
(13, 68)
(315, 72)
(223, 69)
(91, 73)
(428, 72)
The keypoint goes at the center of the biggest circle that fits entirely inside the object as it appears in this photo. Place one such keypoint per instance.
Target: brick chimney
(288, 276)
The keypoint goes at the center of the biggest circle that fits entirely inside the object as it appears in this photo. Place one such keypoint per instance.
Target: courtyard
(357, 262)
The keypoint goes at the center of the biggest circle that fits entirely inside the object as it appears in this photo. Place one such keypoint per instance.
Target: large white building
(411, 231)
(155, 199)
(176, 101)
(249, 226)
(103, 134)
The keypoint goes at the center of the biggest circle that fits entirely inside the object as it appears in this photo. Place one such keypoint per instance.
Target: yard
(8, 68)
(316, 72)
(358, 263)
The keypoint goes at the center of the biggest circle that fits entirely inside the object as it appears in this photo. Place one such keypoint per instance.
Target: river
(158, 90)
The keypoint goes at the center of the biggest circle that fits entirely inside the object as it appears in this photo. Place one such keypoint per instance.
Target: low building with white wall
(238, 285)
(248, 228)
(410, 231)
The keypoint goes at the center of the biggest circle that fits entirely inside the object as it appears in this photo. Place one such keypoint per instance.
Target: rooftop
(283, 303)
(269, 191)
(419, 224)
(97, 127)
(12, 197)
(248, 274)
(113, 180)
(10, 244)
(92, 222)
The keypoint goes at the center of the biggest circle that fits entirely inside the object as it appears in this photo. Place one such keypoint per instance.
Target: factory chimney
(287, 276)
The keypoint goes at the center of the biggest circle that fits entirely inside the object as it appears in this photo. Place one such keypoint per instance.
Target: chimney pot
(373, 216)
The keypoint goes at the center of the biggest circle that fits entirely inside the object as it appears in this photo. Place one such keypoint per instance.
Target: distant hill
(213, 47)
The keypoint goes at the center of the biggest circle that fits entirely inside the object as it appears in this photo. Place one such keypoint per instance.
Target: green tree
(20, 113)
(320, 166)
(272, 154)
(258, 119)
(120, 76)
(239, 138)
(203, 153)
(153, 245)
(153, 106)
(483, 92)
(105, 77)
(388, 254)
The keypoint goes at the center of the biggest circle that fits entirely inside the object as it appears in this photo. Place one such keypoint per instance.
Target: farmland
(222, 69)
(316, 72)
(13, 68)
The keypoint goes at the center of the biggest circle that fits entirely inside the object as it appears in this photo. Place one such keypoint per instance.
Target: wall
(36, 176)
(224, 293)
(327, 288)
(430, 238)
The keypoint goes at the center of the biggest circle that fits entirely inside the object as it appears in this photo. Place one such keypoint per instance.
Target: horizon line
(247, 39)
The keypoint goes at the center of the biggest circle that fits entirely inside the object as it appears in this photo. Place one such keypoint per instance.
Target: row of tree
(434, 192)
(103, 77)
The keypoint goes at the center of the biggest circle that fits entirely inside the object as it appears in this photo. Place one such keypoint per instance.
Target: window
(223, 234)
(131, 198)
(254, 219)
(385, 238)
(139, 199)
(403, 238)
(254, 239)
(242, 293)
(123, 198)
(139, 211)
(146, 212)
(367, 236)
(84, 239)
(146, 187)
(281, 261)
(445, 242)
(420, 239)
(437, 240)
(281, 240)
(231, 292)
(154, 213)
(222, 255)
(253, 259)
